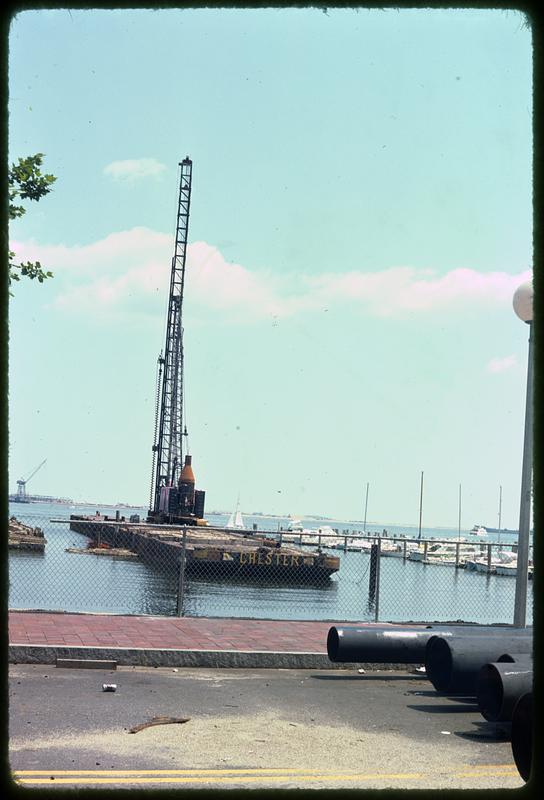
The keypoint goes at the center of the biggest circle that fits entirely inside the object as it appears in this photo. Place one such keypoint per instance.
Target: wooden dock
(25, 537)
(211, 552)
(112, 552)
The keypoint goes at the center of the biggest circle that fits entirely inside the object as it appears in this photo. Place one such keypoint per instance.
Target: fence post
(181, 577)
(378, 563)
(374, 577)
(488, 558)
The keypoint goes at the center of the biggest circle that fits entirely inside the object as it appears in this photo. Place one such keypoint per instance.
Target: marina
(54, 579)
(225, 552)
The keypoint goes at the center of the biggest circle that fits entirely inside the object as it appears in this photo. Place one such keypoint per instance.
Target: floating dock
(112, 552)
(211, 552)
(25, 537)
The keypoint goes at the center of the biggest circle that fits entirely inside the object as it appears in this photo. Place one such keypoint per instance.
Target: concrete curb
(213, 659)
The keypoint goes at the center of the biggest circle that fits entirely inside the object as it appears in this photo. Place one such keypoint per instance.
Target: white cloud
(133, 169)
(115, 253)
(501, 364)
(129, 271)
(400, 290)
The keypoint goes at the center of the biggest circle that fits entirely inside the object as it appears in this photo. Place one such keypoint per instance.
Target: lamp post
(523, 306)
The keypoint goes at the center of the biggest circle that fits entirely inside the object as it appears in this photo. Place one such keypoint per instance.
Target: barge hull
(228, 556)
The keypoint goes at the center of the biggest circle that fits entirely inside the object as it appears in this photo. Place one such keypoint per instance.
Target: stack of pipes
(488, 662)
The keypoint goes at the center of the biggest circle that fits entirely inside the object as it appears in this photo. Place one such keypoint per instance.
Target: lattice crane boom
(168, 445)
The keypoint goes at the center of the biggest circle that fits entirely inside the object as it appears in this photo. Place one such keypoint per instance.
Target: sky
(361, 215)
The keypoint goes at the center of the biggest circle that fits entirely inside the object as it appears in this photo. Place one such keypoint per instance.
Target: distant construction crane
(21, 485)
(173, 497)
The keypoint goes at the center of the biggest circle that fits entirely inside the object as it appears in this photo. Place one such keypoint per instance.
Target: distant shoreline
(33, 499)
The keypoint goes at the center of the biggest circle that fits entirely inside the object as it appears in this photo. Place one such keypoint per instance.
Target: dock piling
(374, 578)
(181, 579)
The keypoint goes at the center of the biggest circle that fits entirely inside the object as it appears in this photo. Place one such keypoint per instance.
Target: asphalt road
(257, 729)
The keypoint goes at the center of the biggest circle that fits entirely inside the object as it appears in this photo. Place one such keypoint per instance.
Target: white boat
(511, 568)
(478, 530)
(356, 544)
(324, 536)
(296, 532)
(236, 521)
(293, 532)
(507, 564)
(393, 549)
(504, 562)
(329, 537)
(480, 565)
(396, 549)
(507, 569)
(445, 553)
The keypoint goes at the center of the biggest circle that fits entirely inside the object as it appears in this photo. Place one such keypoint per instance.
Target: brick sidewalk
(167, 633)
(44, 636)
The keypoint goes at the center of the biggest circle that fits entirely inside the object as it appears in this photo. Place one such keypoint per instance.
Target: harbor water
(409, 591)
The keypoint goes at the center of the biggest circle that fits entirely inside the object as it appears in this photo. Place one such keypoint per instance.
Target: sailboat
(236, 520)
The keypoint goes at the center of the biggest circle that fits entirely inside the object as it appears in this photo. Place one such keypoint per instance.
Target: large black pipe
(500, 685)
(522, 734)
(511, 658)
(452, 664)
(397, 644)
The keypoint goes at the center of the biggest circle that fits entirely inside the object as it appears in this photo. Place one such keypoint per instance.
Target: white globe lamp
(523, 301)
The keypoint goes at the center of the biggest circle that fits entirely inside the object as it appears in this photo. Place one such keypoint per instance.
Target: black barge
(211, 552)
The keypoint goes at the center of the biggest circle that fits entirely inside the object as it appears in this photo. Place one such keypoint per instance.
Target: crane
(21, 484)
(173, 496)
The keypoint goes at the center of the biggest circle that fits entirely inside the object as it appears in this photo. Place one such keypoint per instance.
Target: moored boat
(445, 553)
(478, 530)
(236, 521)
(328, 537)
(356, 544)
(324, 536)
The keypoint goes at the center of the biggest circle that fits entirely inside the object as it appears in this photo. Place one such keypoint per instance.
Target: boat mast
(420, 506)
(459, 516)
(366, 506)
(168, 446)
(500, 510)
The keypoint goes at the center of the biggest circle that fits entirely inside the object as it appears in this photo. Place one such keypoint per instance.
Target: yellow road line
(224, 779)
(490, 766)
(492, 771)
(240, 775)
(220, 771)
(193, 771)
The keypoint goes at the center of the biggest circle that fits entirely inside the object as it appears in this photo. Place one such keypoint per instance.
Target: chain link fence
(124, 566)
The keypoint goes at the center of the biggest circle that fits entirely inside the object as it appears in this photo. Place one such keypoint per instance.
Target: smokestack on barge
(186, 487)
(181, 504)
